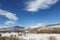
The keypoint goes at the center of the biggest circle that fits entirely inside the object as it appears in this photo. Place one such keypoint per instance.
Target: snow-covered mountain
(52, 28)
(12, 28)
(53, 25)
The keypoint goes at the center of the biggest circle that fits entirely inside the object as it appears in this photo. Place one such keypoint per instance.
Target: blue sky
(29, 12)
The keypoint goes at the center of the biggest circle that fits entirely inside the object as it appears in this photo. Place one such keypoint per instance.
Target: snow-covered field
(31, 36)
(41, 36)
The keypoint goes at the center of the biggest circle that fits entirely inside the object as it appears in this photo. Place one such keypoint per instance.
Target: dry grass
(9, 38)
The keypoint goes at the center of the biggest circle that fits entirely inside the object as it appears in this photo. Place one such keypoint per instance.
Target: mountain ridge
(13, 28)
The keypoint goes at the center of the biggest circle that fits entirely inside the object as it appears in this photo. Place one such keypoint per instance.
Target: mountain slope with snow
(12, 28)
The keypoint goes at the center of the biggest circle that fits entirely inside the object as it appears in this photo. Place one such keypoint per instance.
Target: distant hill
(52, 28)
(54, 25)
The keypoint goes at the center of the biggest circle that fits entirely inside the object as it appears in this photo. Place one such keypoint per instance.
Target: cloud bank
(36, 5)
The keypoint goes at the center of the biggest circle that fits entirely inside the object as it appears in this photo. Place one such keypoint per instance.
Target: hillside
(53, 28)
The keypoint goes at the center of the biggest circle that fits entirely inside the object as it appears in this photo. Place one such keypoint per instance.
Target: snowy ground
(41, 36)
(31, 36)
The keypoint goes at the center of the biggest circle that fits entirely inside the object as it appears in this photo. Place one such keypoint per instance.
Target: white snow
(31, 36)
(41, 36)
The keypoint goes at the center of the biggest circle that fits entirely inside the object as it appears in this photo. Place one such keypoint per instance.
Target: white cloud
(9, 15)
(35, 5)
(9, 22)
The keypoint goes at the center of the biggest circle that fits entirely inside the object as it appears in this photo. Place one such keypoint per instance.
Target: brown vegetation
(8, 38)
(45, 30)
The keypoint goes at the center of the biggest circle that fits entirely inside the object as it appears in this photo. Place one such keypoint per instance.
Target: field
(29, 36)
